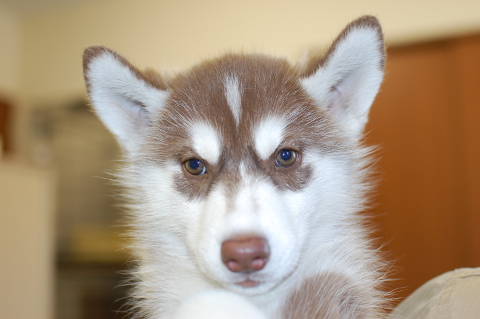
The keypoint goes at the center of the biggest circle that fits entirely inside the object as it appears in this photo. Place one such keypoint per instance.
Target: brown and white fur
(234, 115)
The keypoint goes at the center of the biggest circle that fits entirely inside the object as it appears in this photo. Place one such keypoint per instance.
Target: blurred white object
(26, 242)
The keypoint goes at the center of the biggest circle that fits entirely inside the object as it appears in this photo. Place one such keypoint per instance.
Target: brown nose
(245, 254)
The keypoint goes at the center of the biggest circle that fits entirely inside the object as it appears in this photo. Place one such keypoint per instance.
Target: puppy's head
(241, 157)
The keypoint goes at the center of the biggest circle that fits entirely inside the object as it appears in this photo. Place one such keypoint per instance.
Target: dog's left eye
(286, 158)
(194, 166)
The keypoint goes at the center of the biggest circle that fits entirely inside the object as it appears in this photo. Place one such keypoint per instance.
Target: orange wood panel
(466, 56)
(419, 191)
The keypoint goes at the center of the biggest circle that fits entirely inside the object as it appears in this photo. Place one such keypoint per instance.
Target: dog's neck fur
(234, 114)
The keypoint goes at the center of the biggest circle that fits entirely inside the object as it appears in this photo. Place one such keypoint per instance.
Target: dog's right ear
(124, 99)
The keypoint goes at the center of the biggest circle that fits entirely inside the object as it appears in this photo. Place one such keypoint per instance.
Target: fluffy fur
(235, 114)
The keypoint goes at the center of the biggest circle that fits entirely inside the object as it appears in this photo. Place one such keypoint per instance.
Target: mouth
(248, 283)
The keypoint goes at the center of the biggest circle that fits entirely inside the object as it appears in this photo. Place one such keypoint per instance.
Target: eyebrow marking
(268, 135)
(234, 96)
(206, 141)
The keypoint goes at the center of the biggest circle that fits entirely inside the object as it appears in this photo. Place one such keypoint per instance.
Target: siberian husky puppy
(246, 176)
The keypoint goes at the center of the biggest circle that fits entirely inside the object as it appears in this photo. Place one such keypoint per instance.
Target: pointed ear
(346, 80)
(124, 99)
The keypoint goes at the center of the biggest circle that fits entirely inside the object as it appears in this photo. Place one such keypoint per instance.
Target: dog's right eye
(194, 166)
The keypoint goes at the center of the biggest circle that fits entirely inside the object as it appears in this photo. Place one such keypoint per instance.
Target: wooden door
(426, 121)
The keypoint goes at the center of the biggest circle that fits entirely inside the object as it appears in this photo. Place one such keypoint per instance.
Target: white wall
(26, 204)
(179, 32)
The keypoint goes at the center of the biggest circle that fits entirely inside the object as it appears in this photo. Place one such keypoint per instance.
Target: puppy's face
(242, 151)
(238, 160)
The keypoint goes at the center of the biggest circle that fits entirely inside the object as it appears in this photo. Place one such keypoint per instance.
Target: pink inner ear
(140, 116)
(344, 94)
(130, 117)
(335, 106)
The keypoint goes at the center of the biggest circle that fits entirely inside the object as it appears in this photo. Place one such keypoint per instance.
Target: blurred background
(59, 245)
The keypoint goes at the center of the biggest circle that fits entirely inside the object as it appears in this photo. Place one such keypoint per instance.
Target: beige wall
(9, 51)
(180, 32)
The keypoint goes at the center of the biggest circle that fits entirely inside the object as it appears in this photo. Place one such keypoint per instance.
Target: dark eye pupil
(286, 158)
(194, 166)
(194, 163)
(286, 155)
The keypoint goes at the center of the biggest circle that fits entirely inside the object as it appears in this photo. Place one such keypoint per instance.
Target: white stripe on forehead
(206, 141)
(233, 95)
(268, 135)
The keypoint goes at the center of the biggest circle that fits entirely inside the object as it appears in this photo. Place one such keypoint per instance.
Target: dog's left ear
(347, 79)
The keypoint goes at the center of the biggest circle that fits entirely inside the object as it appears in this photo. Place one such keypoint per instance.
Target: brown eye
(194, 166)
(286, 158)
